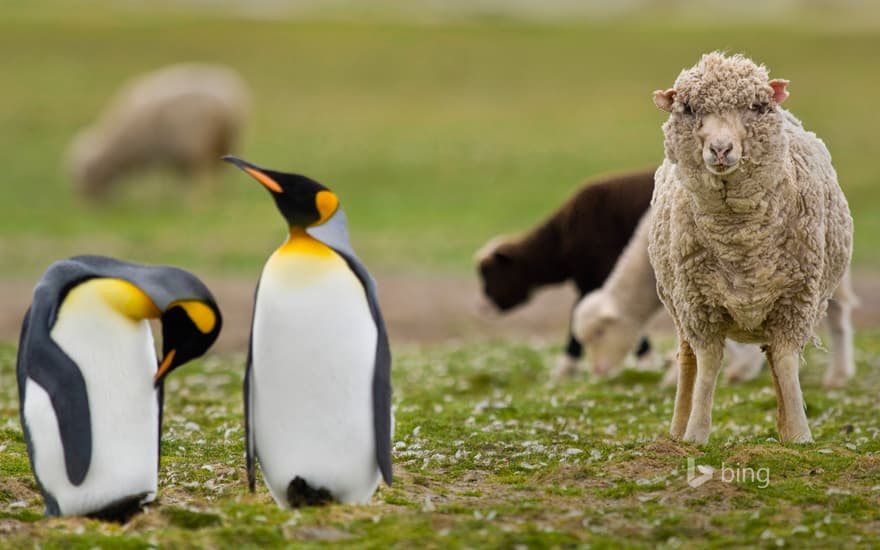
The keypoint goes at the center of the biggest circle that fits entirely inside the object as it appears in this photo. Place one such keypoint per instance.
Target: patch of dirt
(150, 520)
(10, 526)
(752, 455)
(667, 447)
(16, 490)
(318, 533)
(573, 475)
(864, 468)
(421, 308)
(640, 467)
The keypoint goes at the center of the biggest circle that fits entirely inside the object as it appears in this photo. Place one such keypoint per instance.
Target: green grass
(437, 136)
(488, 454)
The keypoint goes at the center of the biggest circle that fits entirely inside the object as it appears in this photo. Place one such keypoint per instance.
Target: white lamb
(610, 321)
(183, 116)
(750, 234)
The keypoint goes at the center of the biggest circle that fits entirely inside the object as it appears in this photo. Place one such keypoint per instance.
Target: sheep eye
(687, 109)
(759, 107)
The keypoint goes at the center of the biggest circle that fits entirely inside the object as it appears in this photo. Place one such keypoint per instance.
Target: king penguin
(317, 382)
(90, 384)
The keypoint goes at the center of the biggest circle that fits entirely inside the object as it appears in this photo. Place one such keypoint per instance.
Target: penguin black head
(302, 201)
(189, 327)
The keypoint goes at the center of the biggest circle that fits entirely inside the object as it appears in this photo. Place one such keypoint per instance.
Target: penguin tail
(122, 510)
(300, 493)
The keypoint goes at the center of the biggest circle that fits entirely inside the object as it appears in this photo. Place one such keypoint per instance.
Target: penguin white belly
(313, 355)
(117, 359)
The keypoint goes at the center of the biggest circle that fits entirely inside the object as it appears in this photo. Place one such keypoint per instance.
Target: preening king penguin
(317, 384)
(90, 384)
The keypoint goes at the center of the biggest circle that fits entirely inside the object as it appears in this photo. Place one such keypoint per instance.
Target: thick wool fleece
(755, 254)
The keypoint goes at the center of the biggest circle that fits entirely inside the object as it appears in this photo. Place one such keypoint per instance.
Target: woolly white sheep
(183, 116)
(750, 233)
(611, 320)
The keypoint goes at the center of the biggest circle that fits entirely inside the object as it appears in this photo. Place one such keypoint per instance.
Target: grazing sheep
(580, 241)
(183, 116)
(750, 233)
(610, 320)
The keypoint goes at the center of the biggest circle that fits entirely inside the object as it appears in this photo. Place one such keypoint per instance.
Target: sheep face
(607, 335)
(722, 137)
(727, 131)
(505, 278)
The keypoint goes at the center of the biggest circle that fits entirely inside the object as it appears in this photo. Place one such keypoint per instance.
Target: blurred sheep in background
(183, 117)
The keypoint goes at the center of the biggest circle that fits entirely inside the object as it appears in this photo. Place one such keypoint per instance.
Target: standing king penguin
(90, 384)
(317, 385)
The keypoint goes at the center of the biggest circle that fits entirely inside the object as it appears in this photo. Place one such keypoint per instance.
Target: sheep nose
(721, 149)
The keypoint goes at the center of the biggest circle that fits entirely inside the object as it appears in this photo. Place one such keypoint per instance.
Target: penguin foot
(122, 510)
(300, 493)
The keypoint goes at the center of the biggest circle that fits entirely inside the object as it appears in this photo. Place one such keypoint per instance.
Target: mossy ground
(489, 454)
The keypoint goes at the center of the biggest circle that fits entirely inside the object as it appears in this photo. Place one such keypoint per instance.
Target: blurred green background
(440, 124)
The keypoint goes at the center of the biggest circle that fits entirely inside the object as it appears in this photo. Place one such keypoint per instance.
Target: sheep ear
(779, 91)
(501, 257)
(663, 99)
(487, 250)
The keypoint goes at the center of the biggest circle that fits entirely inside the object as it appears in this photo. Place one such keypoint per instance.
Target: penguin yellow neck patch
(120, 295)
(300, 242)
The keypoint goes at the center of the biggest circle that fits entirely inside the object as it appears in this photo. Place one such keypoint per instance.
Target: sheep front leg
(792, 418)
(708, 366)
(687, 370)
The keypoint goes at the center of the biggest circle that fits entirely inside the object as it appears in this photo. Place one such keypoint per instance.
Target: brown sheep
(183, 116)
(580, 242)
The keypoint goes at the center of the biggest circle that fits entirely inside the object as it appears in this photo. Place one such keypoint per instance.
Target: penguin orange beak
(164, 367)
(256, 173)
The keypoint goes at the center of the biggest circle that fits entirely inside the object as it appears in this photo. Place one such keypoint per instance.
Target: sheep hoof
(566, 367)
(700, 437)
(838, 377)
(803, 437)
(834, 382)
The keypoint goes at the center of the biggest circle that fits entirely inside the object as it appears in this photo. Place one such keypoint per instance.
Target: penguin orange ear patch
(268, 182)
(199, 313)
(326, 202)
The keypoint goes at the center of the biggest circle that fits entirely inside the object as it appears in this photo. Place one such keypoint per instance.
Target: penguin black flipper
(52, 508)
(250, 445)
(44, 362)
(160, 401)
(381, 370)
(248, 431)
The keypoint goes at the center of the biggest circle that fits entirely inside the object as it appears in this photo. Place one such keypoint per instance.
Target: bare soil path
(420, 308)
